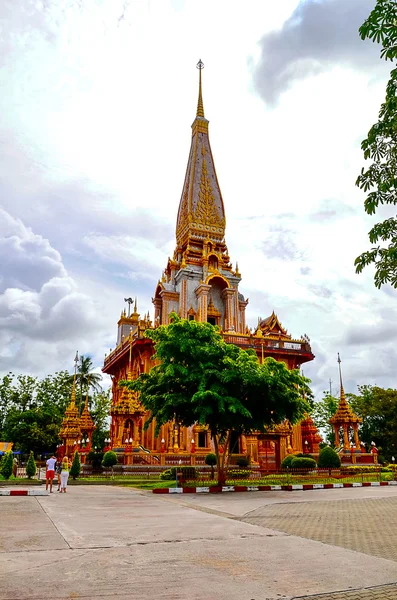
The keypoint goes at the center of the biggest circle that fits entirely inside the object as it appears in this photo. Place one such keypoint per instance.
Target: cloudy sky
(96, 102)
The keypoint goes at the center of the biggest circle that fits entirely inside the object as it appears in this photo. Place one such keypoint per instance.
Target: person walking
(66, 464)
(50, 472)
(58, 469)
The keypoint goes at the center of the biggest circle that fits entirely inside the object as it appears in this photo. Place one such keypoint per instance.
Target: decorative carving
(206, 212)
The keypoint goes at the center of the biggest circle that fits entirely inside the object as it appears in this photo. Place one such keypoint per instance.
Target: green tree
(7, 465)
(75, 469)
(378, 409)
(99, 409)
(31, 466)
(379, 180)
(33, 415)
(202, 379)
(86, 378)
(110, 459)
(322, 411)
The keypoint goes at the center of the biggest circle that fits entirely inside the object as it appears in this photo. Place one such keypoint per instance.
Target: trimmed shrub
(328, 459)
(302, 462)
(286, 464)
(75, 469)
(31, 466)
(7, 466)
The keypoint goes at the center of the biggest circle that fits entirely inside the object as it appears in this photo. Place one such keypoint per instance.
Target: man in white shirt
(50, 473)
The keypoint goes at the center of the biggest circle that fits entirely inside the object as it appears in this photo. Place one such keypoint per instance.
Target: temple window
(211, 320)
(202, 439)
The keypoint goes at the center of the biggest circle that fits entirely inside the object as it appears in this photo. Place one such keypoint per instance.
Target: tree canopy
(32, 409)
(378, 409)
(201, 379)
(322, 411)
(379, 180)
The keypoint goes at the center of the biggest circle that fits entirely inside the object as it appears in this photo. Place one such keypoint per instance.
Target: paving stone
(384, 592)
(366, 525)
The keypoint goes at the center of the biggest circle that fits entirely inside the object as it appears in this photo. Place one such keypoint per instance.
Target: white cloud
(96, 100)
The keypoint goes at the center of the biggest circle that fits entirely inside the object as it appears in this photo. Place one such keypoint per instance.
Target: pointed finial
(342, 391)
(135, 306)
(200, 105)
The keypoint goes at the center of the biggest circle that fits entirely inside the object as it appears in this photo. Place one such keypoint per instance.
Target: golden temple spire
(200, 105)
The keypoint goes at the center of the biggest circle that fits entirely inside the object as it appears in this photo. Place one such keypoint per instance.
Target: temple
(345, 424)
(76, 430)
(199, 283)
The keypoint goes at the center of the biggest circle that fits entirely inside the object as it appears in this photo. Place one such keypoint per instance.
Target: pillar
(346, 444)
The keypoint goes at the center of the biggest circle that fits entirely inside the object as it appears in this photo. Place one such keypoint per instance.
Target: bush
(328, 459)
(31, 466)
(303, 462)
(76, 466)
(7, 465)
(243, 461)
(286, 464)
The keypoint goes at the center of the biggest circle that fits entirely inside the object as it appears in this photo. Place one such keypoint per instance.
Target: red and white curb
(268, 488)
(23, 492)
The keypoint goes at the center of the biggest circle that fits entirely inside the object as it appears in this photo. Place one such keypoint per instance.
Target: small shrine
(310, 436)
(76, 431)
(345, 424)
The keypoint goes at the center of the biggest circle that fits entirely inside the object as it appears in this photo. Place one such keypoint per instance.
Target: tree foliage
(379, 180)
(75, 469)
(323, 410)
(86, 379)
(201, 379)
(31, 466)
(378, 409)
(7, 465)
(32, 409)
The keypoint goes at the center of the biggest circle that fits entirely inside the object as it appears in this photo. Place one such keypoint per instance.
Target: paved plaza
(102, 543)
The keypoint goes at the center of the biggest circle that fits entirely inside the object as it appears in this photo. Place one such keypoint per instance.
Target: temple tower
(199, 282)
(70, 430)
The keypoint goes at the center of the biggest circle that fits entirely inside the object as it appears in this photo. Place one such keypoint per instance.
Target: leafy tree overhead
(202, 379)
(379, 181)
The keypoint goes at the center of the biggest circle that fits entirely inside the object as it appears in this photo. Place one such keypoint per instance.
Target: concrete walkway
(108, 543)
